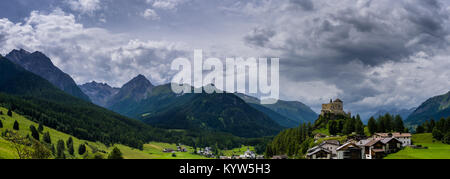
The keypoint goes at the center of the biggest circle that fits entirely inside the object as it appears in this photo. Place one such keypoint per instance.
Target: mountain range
(99, 93)
(35, 97)
(42, 66)
(234, 113)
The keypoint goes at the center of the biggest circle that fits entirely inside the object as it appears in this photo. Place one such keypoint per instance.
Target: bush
(437, 134)
(446, 138)
(115, 154)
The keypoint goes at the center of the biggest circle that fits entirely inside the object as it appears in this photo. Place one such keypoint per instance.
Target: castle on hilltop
(335, 107)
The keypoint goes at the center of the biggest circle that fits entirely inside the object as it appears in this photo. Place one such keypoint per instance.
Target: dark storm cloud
(259, 37)
(307, 5)
(339, 42)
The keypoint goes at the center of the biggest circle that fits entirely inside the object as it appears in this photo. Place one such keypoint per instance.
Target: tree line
(440, 129)
(386, 123)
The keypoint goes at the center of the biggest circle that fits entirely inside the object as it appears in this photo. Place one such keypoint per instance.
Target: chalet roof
(363, 142)
(386, 140)
(333, 142)
(372, 142)
(347, 144)
(395, 134)
(318, 149)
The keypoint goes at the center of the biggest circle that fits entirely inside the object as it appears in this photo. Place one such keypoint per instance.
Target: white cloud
(84, 6)
(150, 14)
(90, 53)
(166, 4)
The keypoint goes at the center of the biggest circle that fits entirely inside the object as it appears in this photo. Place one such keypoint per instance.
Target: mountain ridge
(39, 64)
(434, 108)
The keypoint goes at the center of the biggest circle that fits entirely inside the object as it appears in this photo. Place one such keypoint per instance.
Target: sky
(372, 54)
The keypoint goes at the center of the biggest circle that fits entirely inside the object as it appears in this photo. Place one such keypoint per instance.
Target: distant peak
(20, 51)
(141, 80)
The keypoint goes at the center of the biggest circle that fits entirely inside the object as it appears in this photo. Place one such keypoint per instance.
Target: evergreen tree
(372, 125)
(81, 149)
(47, 138)
(60, 150)
(332, 127)
(446, 138)
(437, 134)
(16, 125)
(420, 129)
(69, 142)
(40, 128)
(399, 126)
(359, 126)
(9, 113)
(1, 113)
(115, 154)
(432, 124)
(53, 149)
(34, 133)
(70, 149)
(1, 124)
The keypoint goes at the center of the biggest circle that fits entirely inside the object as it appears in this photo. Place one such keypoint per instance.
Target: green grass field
(237, 151)
(152, 150)
(436, 149)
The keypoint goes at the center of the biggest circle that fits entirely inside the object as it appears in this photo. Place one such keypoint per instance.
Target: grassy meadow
(436, 149)
(151, 150)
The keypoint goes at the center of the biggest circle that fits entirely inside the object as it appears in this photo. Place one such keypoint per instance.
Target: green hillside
(151, 150)
(33, 96)
(436, 149)
(434, 108)
(215, 112)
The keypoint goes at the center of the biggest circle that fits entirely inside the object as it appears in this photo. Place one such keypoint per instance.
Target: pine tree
(1, 124)
(372, 125)
(69, 142)
(16, 125)
(399, 126)
(359, 126)
(40, 128)
(47, 138)
(60, 150)
(34, 132)
(81, 149)
(115, 154)
(9, 113)
(420, 129)
(70, 146)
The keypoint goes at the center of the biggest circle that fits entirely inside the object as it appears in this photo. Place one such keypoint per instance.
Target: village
(356, 146)
(375, 147)
(209, 153)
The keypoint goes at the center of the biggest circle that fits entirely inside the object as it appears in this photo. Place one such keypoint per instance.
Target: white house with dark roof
(404, 138)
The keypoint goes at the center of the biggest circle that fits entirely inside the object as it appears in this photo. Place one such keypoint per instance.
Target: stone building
(334, 107)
